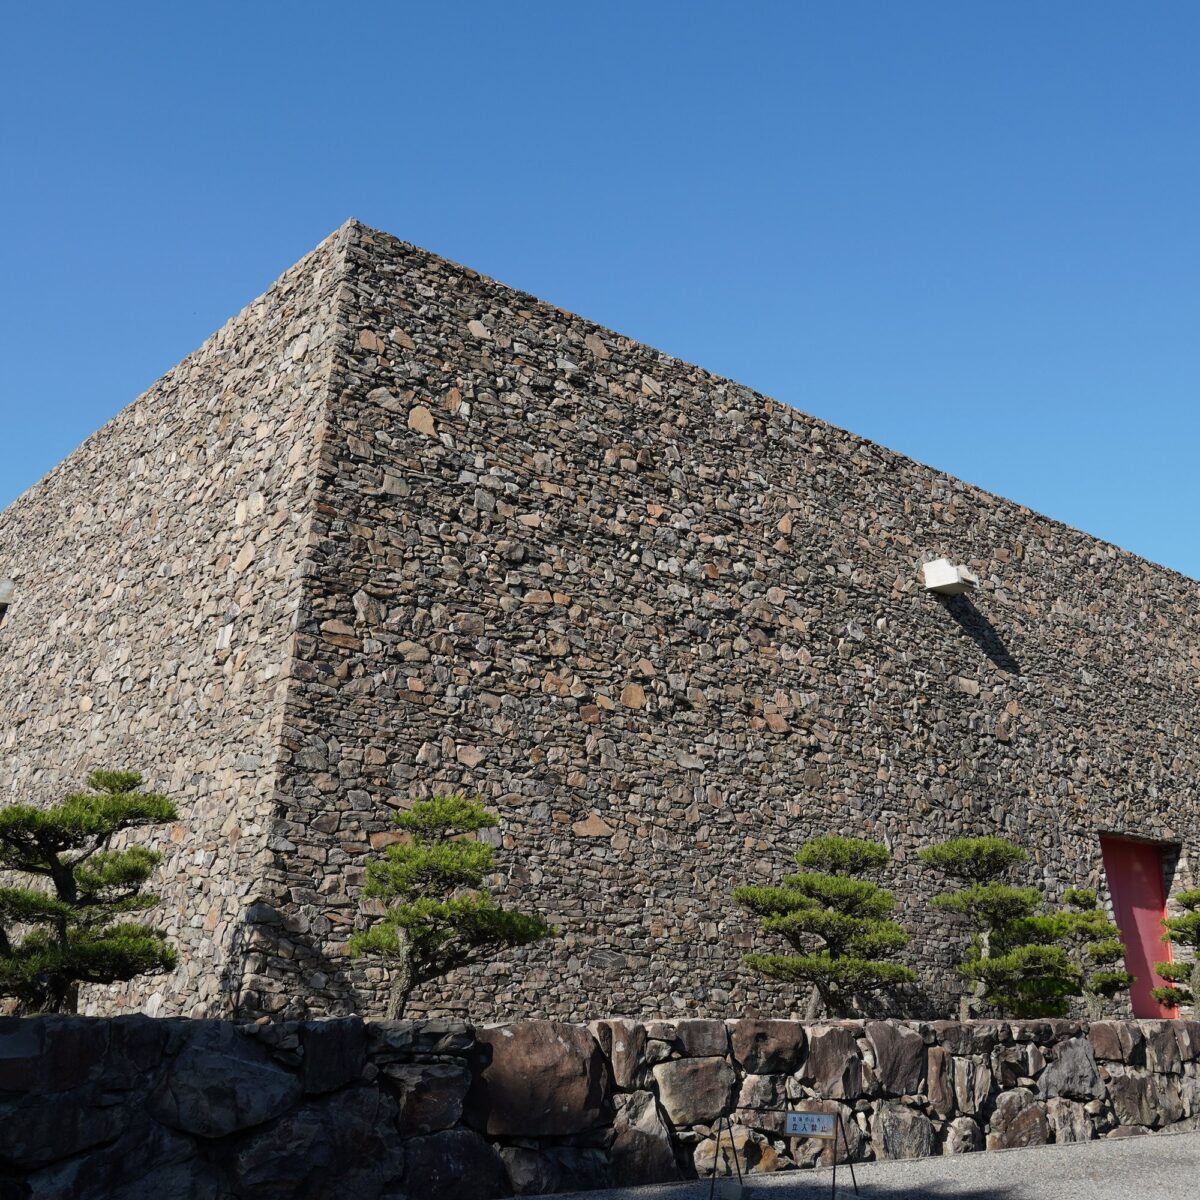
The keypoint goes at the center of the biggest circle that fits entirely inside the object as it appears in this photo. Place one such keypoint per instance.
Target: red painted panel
(1135, 879)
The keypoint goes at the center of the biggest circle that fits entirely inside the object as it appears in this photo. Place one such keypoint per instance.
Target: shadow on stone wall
(276, 970)
(981, 631)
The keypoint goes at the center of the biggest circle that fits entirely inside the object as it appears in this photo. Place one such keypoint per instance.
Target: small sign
(811, 1124)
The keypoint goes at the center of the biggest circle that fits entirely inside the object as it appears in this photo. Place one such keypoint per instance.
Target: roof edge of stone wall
(785, 409)
(298, 268)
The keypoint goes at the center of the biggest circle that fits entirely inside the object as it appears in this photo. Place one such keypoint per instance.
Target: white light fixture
(944, 577)
(6, 591)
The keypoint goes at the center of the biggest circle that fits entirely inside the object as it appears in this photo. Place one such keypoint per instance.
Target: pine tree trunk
(402, 982)
(814, 1005)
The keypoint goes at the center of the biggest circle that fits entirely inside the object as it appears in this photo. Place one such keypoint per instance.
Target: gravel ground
(1161, 1167)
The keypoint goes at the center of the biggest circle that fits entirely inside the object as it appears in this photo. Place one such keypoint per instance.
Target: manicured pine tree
(53, 940)
(1020, 977)
(1183, 978)
(1092, 944)
(437, 920)
(836, 922)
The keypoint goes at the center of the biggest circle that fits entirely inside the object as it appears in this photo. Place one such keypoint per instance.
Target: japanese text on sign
(807, 1124)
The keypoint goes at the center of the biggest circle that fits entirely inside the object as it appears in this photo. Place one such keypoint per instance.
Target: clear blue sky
(966, 230)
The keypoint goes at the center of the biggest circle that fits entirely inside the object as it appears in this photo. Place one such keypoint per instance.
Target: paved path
(1157, 1167)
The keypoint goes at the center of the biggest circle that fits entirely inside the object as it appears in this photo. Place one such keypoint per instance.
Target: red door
(1135, 879)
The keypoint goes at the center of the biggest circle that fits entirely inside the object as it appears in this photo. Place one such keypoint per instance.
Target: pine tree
(836, 921)
(1093, 945)
(1183, 978)
(52, 941)
(1019, 977)
(437, 920)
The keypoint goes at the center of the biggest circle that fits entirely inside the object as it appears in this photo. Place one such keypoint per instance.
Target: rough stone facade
(399, 528)
(136, 1109)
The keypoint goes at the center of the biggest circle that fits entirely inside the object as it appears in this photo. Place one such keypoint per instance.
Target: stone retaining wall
(438, 1110)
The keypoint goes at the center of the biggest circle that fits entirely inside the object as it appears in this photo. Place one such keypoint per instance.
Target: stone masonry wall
(398, 528)
(157, 575)
(137, 1109)
(669, 628)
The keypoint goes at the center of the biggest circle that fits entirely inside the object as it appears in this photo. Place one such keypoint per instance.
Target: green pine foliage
(1022, 962)
(837, 923)
(1020, 979)
(1093, 943)
(437, 918)
(1183, 978)
(52, 940)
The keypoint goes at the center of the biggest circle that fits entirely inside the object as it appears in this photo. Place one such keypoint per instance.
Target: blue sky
(968, 231)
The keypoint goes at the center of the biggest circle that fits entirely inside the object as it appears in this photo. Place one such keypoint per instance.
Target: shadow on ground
(807, 1185)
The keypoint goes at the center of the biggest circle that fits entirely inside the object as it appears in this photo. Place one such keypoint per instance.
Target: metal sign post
(712, 1187)
(822, 1125)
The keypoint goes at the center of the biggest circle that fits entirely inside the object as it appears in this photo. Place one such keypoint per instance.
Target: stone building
(398, 528)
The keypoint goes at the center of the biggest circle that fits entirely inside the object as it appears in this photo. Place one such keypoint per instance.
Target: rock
(1189, 1095)
(529, 1171)
(900, 1132)
(420, 420)
(970, 1037)
(594, 826)
(144, 1150)
(1124, 1131)
(754, 1153)
(1162, 1047)
(1118, 1041)
(344, 1144)
(537, 1079)
(624, 1042)
(454, 1165)
(222, 1082)
(50, 1054)
(1073, 1073)
(335, 1052)
(833, 1066)
(1043, 1033)
(1187, 1034)
(430, 1095)
(42, 1128)
(400, 1040)
(899, 1057)
(1132, 1098)
(641, 1150)
(962, 1136)
(1106, 1041)
(701, 1039)
(1069, 1121)
(761, 1102)
(972, 1085)
(767, 1047)
(1168, 1106)
(1017, 1120)
(1014, 1065)
(939, 1086)
(695, 1091)
(1186, 1125)
(552, 1169)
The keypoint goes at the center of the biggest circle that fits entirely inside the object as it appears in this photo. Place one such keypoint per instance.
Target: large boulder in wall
(537, 1079)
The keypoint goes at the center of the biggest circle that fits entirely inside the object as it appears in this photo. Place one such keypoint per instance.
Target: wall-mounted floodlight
(7, 587)
(945, 577)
